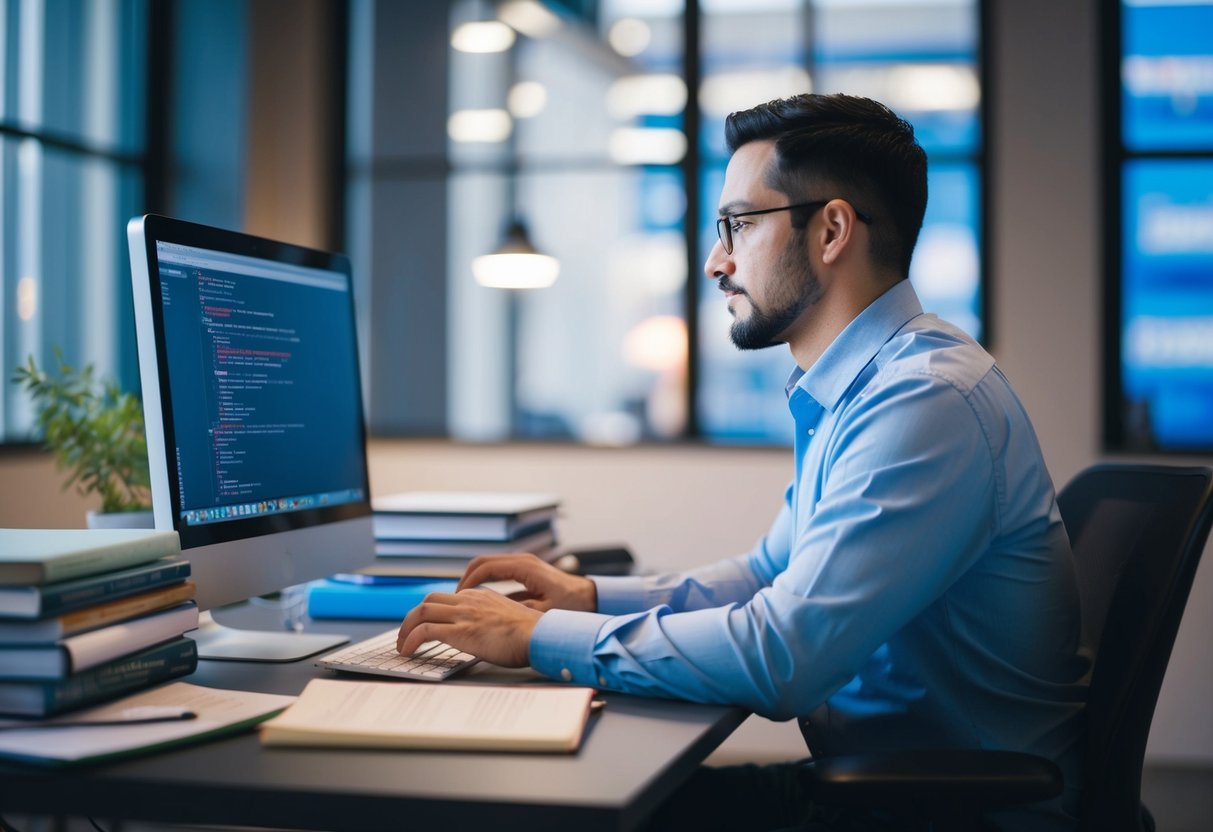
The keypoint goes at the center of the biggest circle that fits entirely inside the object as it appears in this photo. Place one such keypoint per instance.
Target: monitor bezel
(144, 233)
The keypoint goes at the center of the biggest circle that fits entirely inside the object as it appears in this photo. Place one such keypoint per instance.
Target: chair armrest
(979, 779)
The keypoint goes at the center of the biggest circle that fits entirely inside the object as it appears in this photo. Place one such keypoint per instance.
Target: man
(916, 588)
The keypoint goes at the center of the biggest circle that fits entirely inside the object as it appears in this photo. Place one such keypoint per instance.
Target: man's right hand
(547, 588)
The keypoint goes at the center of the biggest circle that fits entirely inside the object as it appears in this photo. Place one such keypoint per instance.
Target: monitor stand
(217, 641)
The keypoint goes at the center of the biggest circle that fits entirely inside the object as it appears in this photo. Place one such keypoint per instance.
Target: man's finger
(423, 632)
(435, 607)
(496, 568)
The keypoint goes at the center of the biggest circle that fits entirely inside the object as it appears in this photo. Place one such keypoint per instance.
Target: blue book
(115, 678)
(57, 598)
(343, 599)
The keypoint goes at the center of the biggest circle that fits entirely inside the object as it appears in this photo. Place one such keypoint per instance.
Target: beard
(794, 287)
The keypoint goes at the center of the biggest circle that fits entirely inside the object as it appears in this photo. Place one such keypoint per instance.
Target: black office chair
(1137, 532)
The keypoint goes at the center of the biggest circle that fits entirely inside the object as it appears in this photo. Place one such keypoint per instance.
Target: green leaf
(94, 430)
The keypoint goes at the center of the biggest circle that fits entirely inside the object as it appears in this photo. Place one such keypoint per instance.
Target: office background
(678, 503)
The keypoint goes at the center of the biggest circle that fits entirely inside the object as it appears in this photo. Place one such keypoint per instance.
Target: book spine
(92, 617)
(445, 527)
(108, 558)
(159, 664)
(60, 600)
(97, 647)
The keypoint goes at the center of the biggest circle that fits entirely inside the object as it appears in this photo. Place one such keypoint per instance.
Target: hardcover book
(462, 515)
(142, 669)
(43, 556)
(65, 596)
(537, 543)
(80, 652)
(98, 615)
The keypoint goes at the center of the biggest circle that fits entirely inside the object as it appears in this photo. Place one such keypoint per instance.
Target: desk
(635, 752)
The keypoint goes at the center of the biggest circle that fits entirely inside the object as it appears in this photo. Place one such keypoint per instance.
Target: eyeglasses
(724, 225)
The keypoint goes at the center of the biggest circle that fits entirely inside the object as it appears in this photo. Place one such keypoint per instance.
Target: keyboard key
(433, 660)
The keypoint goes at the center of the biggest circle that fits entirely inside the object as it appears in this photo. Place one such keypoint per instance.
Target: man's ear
(838, 230)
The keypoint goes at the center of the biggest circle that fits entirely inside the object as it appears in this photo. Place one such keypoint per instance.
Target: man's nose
(719, 264)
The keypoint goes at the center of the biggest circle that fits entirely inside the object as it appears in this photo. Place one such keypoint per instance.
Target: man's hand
(477, 621)
(547, 588)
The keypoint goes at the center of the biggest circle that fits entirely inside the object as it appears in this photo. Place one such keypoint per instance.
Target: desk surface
(635, 752)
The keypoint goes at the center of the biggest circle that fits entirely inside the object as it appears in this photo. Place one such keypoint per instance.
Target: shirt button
(566, 674)
(602, 681)
(812, 431)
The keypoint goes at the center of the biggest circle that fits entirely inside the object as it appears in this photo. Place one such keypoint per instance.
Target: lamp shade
(516, 264)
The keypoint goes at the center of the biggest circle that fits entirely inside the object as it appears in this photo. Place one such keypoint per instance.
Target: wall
(678, 506)
(1048, 293)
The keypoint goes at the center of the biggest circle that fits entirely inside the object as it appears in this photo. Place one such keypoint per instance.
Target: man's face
(767, 280)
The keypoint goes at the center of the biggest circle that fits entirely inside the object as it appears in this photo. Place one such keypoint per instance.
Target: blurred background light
(479, 126)
(646, 95)
(658, 343)
(27, 298)
(527, 99)
(529, 17)
(479, 36)
(515, 270)
(930, 87)
(726, 92)
(647, 146)
(630, 36)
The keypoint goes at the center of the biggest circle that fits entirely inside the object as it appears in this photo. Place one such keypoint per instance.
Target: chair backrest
(1137, 532)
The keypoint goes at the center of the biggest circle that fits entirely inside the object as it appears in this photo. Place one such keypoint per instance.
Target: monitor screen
(256, 441)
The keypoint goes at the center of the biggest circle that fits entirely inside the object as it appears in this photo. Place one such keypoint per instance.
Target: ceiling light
(516, 264)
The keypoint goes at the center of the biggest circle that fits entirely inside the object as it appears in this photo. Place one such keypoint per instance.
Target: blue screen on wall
(1167, 304)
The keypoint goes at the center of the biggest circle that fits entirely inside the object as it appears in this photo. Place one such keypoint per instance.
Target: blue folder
(344, 599)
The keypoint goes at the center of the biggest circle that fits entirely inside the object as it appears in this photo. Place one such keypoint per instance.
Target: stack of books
(90, 615)
(440, 532)
(424, 541)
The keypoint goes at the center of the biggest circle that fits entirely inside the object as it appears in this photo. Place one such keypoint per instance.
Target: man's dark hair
(843, 146)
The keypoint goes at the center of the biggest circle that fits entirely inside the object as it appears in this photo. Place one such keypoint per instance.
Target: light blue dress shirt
(915, 590)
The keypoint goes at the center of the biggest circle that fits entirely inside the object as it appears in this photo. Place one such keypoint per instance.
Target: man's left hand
(477, 621)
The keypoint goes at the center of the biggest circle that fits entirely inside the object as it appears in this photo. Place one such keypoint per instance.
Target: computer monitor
(253, 409)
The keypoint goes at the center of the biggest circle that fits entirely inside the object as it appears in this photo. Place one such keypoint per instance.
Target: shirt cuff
(619, 595)
(562, 646)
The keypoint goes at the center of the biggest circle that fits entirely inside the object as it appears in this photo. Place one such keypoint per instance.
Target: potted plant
(95, 431)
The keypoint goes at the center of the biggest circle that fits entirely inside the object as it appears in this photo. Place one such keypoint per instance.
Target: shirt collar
(828, 380)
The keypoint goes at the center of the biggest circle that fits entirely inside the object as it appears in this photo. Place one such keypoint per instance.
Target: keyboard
(433, 661)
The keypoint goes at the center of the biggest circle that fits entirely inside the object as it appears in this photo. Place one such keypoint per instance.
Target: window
(920, 58)
(600, 127)
(71, 174)
(1159, 365)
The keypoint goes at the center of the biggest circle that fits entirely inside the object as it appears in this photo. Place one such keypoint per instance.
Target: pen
(130, 716)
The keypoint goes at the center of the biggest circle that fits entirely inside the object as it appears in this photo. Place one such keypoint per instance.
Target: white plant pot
(120, 520)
